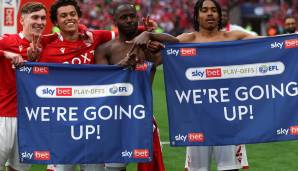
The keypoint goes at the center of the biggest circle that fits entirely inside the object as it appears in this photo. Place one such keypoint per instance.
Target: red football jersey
(74, 52)
(15, 43)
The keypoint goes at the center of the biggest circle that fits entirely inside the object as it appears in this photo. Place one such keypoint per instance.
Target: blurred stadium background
(175, 17)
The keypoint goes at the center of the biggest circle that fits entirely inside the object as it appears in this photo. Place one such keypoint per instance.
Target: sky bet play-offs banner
(84, 114)
(232, 92)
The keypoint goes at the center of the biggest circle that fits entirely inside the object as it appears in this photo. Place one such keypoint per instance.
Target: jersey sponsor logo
(42, 155)
(293, 43)
(62, 50)
(82, 59)
(40, 70)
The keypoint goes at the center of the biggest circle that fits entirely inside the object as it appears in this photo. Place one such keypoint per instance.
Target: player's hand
(16, 59)
(149, 24)
(141, 40)
(134, 57)
(34, 50)
(154, 46)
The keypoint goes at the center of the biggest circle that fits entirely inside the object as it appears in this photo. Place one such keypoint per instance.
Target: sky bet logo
(182, 52)
(36, 155)
(293, 130)
(191, 137)
(35, 70)
(288, 44)
(58, 91)
(136, 153)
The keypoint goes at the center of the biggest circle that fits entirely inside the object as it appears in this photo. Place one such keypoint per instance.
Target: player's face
(34, 23)
(67, 19)
(127, 20)
(208, 16)
(290, 25)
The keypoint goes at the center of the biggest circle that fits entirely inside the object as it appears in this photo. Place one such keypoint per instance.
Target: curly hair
(198, 7)
(61, 3)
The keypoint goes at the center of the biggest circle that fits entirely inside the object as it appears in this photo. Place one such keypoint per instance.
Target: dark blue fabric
(235, 92)
(91, 130)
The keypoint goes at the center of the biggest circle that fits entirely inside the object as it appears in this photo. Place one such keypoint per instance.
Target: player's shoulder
(186, 37)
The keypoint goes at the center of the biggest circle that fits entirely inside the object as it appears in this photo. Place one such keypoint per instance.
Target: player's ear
(22, 19)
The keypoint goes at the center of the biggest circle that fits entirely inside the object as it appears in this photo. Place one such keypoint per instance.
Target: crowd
(175, 16)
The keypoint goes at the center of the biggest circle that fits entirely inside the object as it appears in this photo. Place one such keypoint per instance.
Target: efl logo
(42, 155)
(293, 43)
(188, 51)
(213, 73)
(196, 137)
(63, 91)
(294, 130)
(8, 16)
(40, 70)
(141, 153)
(142, 67)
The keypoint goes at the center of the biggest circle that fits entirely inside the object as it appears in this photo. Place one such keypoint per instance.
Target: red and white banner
(8, 17)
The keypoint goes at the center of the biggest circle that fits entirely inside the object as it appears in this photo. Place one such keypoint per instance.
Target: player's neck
(127, 36)
(70, 36)
(27, 36)
(209, 33)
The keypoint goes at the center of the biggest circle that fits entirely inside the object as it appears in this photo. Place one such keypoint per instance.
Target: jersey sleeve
(3, 42)
(102, 36)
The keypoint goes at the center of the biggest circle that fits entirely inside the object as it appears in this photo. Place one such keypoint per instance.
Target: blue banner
(233, 92)
(84, 114)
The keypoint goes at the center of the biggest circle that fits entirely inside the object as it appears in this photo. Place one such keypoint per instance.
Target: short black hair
(199, 6)
(60, 3)
(132, 6)
(30, 7)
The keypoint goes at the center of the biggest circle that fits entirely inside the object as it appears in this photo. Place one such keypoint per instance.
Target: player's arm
(15, 58)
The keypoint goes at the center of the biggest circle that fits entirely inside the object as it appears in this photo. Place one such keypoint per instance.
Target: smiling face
(34, 23)
(208, 16)
(67, 19)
